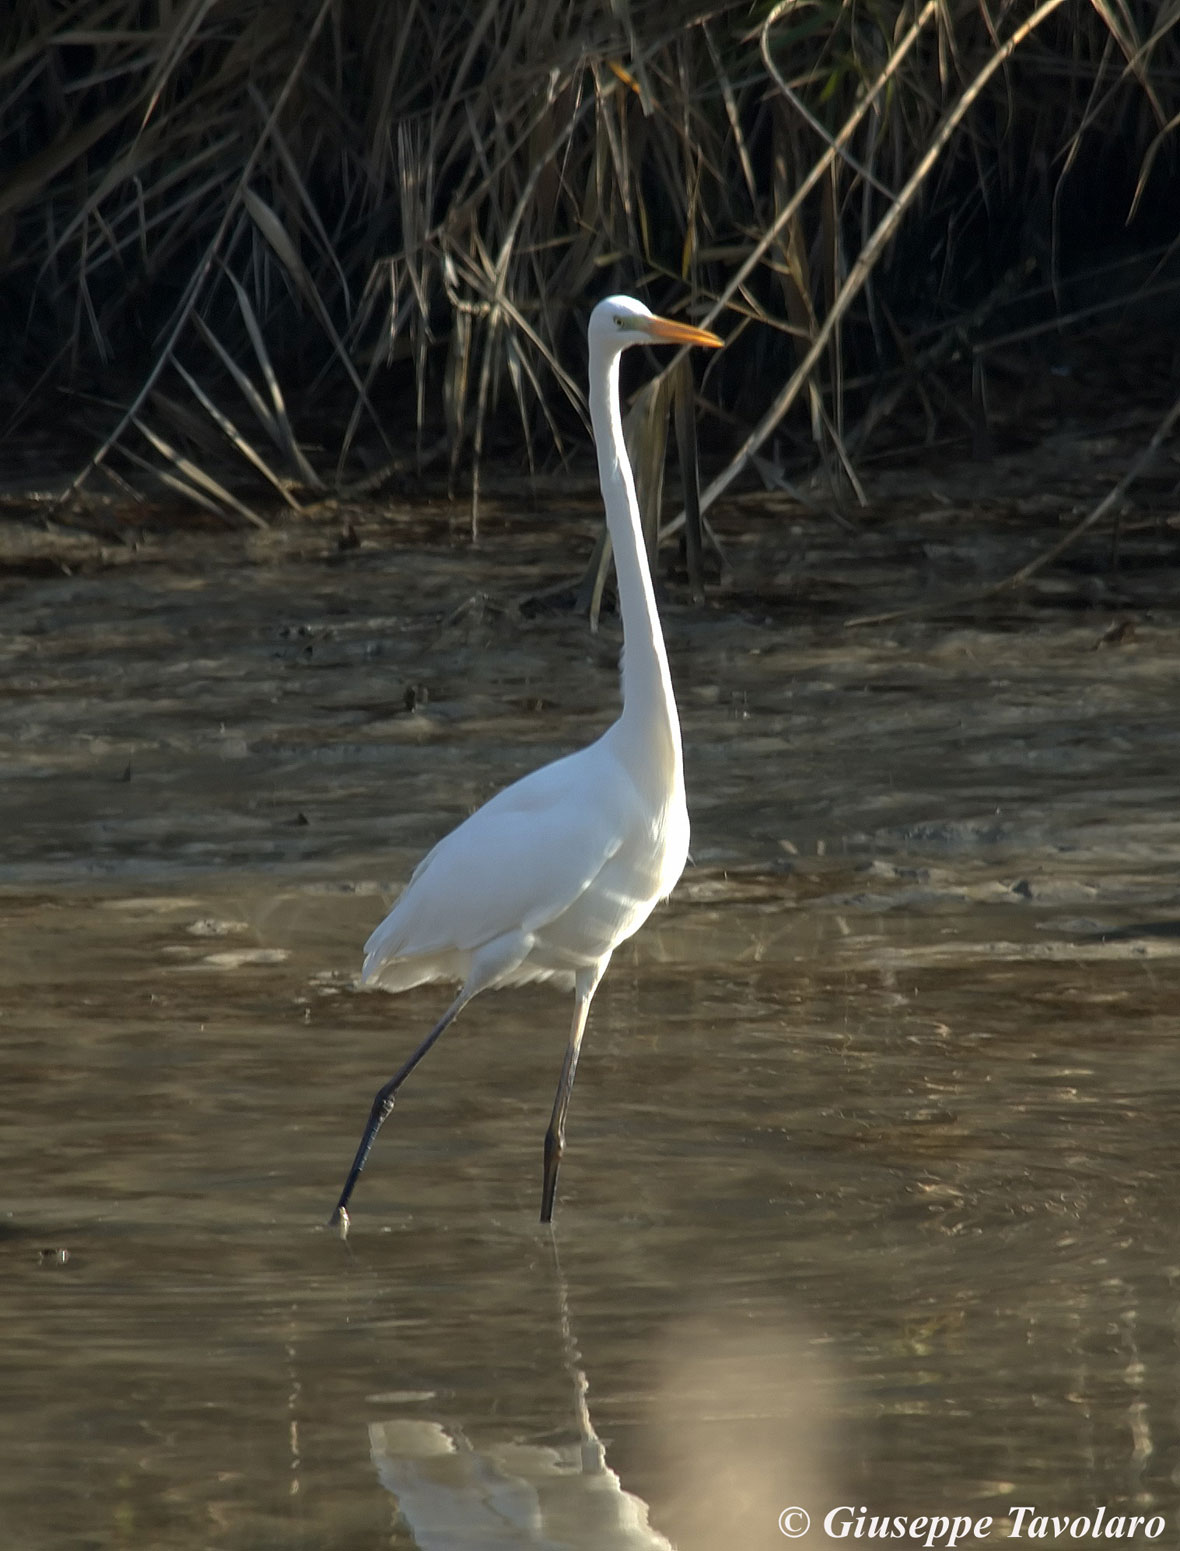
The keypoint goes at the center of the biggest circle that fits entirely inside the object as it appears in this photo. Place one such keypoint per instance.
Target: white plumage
(553, 873)
(548, 877)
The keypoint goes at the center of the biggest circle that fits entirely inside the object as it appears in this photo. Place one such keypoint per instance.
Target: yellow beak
(668, 332)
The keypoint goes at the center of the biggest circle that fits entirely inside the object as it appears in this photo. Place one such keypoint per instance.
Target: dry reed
(223, 224)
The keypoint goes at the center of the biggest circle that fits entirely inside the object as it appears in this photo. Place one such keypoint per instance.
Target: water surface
(870, 1190)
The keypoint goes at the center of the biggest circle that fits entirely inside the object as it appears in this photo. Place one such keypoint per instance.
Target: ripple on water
(869, 1193)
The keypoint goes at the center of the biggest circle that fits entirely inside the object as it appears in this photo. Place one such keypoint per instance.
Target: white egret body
(545, 880)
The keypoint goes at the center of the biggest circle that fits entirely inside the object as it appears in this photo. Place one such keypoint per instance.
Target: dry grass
(222, 228)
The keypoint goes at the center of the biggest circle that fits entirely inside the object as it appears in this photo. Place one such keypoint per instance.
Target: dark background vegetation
(271, 252)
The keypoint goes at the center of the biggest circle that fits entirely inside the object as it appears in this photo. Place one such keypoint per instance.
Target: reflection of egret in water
(740, 1430)
(453, 1496)
(512, 1495)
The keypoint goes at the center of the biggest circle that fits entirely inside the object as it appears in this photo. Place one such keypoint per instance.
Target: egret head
(619, 321)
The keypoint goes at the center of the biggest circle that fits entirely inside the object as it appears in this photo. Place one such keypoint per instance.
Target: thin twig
(863, 268)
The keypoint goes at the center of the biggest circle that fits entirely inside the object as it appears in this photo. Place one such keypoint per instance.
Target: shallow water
(870, 1194)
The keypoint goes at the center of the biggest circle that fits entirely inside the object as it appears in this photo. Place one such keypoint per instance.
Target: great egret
(545, 880)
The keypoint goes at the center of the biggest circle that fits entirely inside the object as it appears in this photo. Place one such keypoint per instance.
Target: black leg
(382, 1105)
(555, 1135)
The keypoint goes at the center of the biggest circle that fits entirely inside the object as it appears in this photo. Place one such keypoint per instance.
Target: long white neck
(649, 724)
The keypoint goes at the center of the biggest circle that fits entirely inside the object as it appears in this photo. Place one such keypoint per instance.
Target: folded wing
(517, 864)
